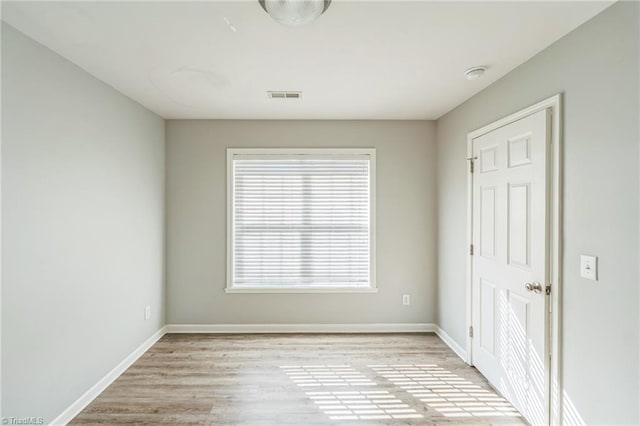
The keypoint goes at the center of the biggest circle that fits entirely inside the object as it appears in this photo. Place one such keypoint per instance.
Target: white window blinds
(301, 220)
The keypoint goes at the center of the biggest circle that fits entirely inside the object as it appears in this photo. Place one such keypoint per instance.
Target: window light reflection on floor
(438, 389)
(446, 392)
(363, 405)
(352, 404)
(326, 375)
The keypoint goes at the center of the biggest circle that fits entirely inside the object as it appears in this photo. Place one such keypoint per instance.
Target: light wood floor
(299, 380)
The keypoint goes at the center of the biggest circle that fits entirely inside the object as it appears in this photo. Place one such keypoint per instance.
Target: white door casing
(510, 235)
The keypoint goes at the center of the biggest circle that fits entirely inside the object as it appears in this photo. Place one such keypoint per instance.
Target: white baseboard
(301, 328)
(67, 415)
(462, 353)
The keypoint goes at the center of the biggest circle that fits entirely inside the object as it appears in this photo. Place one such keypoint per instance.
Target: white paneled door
(510, 262)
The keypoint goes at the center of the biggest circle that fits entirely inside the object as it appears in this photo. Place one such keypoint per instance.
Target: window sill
(301, 290)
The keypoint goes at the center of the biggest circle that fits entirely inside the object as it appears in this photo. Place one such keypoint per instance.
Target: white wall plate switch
(589, 267)
(147, 312)
(406, 299)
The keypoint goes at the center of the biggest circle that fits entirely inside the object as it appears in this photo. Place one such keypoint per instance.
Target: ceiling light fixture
(474, 73)
(295, 13)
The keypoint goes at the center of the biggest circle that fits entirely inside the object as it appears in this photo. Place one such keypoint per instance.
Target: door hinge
(471, 163)
(471, 249)
(547, 289)
(471, 331)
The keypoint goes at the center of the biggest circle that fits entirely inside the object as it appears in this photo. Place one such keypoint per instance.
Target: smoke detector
(281, 94)
(474, 73)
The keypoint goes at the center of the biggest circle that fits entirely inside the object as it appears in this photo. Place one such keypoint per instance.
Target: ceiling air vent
(284, 95)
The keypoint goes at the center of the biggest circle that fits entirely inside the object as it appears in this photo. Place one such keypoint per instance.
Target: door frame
(554, 255)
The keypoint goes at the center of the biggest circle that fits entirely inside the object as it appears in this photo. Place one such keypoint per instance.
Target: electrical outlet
(406, 299)
(147, 312)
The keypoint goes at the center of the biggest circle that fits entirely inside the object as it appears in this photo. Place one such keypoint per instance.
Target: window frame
(324, 152)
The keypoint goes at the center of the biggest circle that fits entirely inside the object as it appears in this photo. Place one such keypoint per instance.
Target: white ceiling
(360, 60)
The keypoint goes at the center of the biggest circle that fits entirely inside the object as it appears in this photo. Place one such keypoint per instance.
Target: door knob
(534, 287)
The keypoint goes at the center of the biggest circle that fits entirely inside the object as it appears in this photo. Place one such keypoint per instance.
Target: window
(301, 220)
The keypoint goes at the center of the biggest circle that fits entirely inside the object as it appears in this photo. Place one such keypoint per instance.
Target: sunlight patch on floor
(427, 385)
(446, 392)
(362, 405)
(352, 404)
(326, 375)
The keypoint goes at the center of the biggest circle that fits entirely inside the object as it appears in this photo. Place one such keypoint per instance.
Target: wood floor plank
(288, 379)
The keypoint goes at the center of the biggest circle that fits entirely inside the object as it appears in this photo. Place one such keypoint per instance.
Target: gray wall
(196, 217)
(83, 220)
(596, 68)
